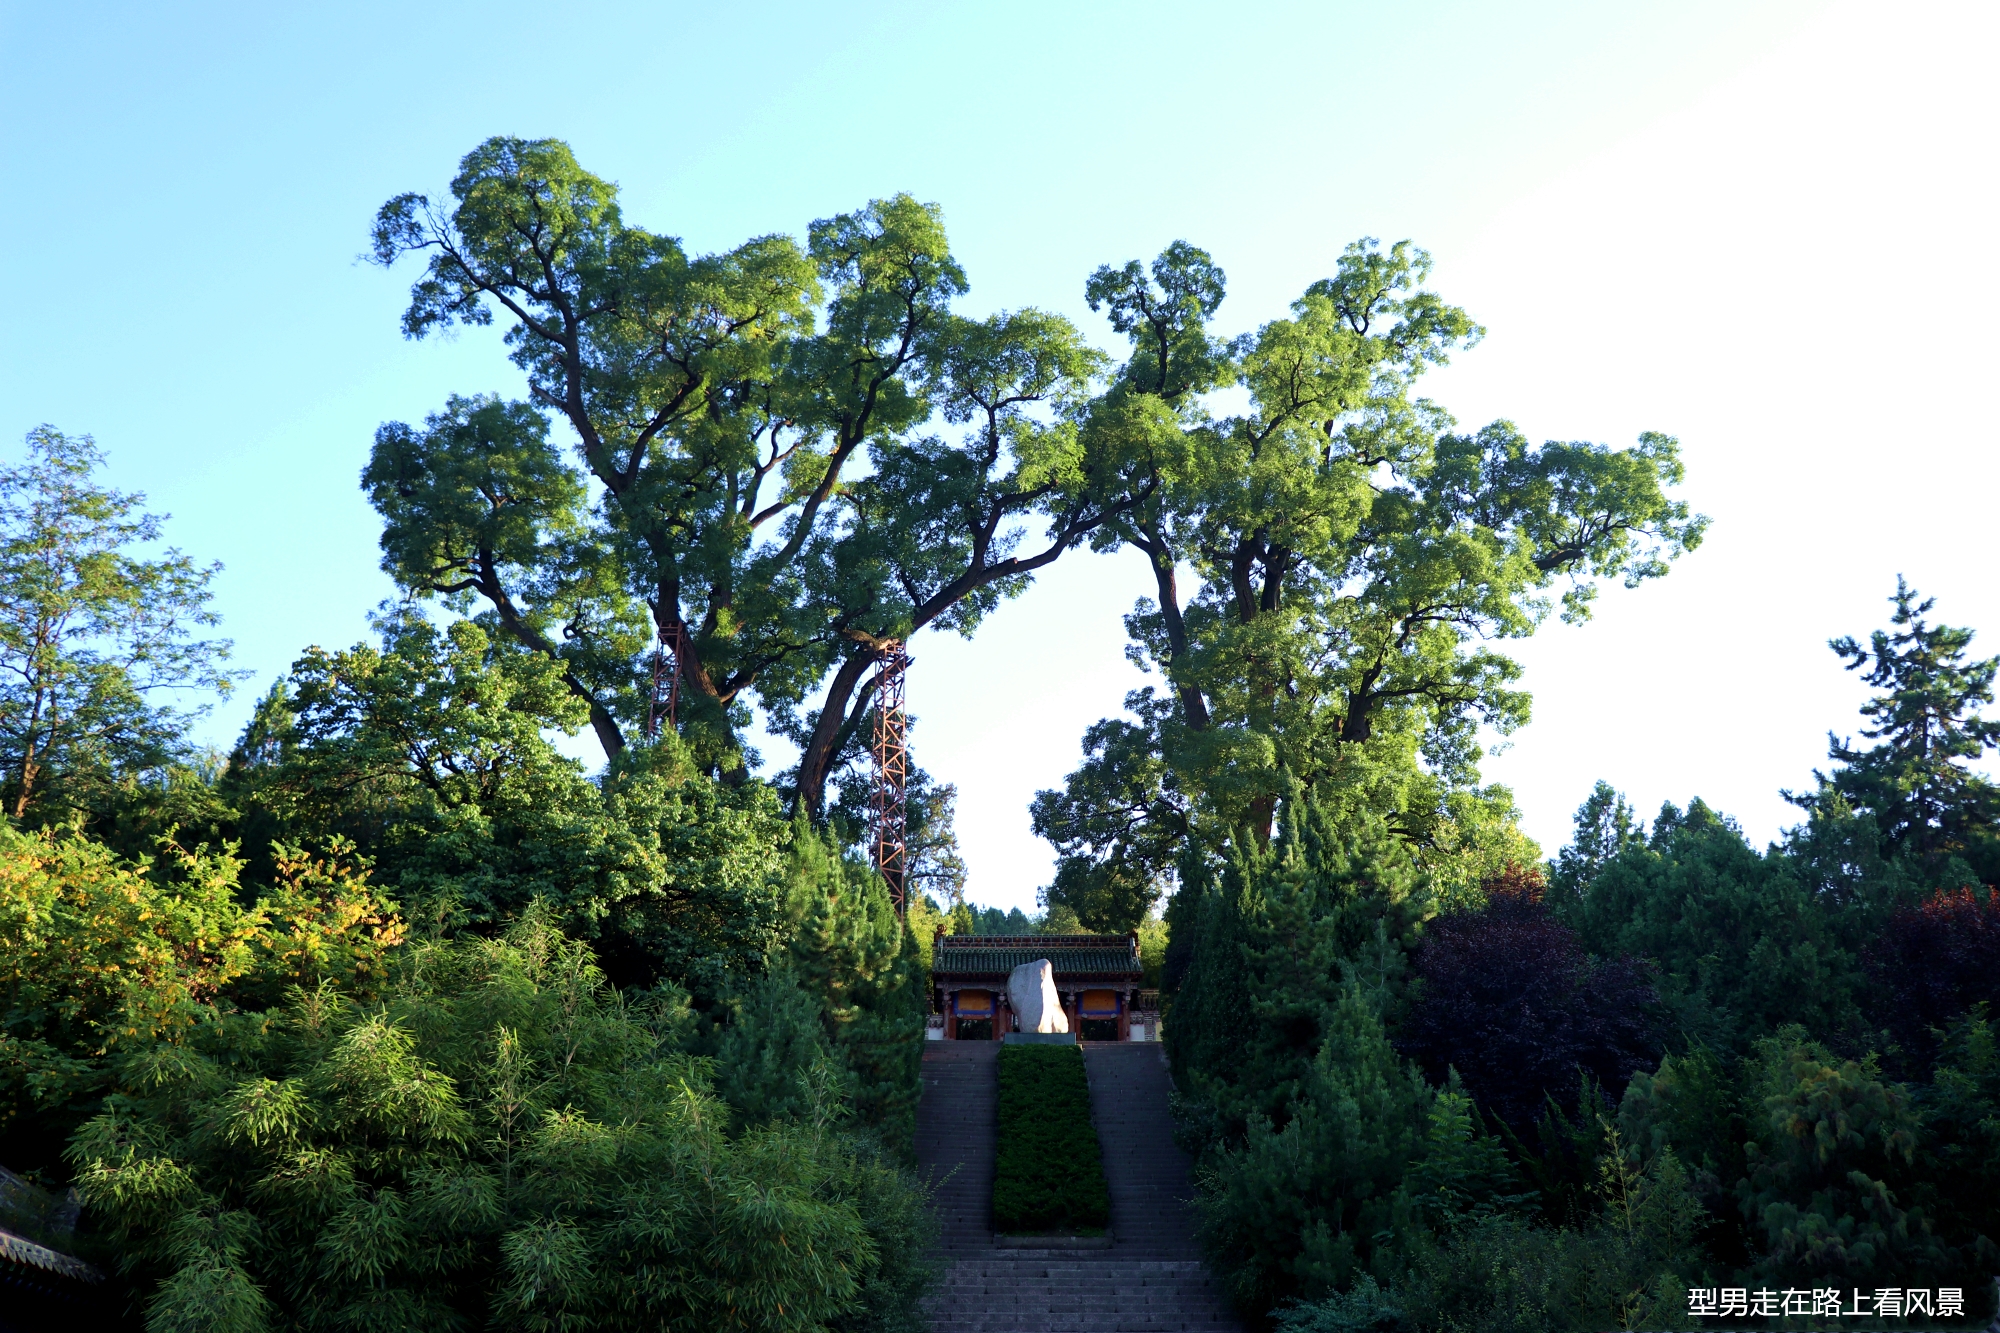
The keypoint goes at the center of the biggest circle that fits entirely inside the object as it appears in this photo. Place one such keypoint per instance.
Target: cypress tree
(851, 953)
(1273, 935)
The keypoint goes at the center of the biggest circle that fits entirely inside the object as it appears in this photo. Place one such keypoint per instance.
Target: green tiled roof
(1069, 955)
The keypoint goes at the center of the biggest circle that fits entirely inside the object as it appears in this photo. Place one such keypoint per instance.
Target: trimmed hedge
(1049, 1175)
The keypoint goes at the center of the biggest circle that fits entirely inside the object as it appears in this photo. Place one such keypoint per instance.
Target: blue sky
(1765, 228)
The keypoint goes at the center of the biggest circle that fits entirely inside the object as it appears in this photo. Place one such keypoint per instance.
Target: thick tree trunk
(605, 727)
(1359, 723)
(30, 770)
(1263, 815)
(816, 763)
(1194, 708)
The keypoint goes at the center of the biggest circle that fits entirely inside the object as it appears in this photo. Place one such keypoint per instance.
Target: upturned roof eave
(20, 1250)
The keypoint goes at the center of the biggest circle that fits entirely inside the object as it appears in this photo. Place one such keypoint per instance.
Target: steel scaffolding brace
(666, 697)
(892, 775)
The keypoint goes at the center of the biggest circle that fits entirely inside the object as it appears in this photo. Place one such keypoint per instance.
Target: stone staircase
(955, 1133)
(1150, 1281)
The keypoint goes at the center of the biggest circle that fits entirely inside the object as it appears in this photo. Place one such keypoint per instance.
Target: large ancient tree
(1332, 566)
(752, 454)
(802, 454)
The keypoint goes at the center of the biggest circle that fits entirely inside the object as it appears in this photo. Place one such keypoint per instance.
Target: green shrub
(1049, 1175)
(501, 1141)
(101, 958)
(1830, 1161)
(1627, 1267)
(1959, 1151)
(1296, 1210)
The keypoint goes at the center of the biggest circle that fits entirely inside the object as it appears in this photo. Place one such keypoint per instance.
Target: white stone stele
(1031, 991)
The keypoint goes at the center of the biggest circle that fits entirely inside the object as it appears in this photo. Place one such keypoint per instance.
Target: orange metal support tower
(892, 775)
(666, 698)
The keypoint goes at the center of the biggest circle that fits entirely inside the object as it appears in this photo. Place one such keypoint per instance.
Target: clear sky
(1766, 228)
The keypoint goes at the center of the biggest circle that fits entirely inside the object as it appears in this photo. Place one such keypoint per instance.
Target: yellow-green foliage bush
(100, 956)
(498, 1140)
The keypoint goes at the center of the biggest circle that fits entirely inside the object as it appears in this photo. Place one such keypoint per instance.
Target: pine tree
(1298, 1209)
(773, 1049)
(1743, 945)
(1916, 781)
(1604, 828)
(1829, 1157)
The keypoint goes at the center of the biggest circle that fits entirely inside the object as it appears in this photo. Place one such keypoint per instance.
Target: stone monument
(1031, 991)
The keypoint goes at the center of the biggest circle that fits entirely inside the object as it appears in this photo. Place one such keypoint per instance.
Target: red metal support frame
(892, 775)
(666, 697)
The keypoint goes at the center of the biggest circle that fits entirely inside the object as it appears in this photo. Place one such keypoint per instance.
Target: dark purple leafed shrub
(1509, 999)
(1934, 962)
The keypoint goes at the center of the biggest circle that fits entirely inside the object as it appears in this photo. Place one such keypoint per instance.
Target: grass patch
(1049, 1175)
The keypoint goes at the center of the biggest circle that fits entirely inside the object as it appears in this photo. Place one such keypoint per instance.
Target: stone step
(1107, 1299)
(1055, 1320)
(1085, 1287)
(1086, 1293)
(973, 1272)
(1059, 1320)
(1150, 1281)
(1194, 1310)
(1067, 1261)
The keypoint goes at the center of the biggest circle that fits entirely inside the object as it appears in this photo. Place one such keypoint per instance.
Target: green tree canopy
(1605, 827)
(502, 1142)
(429, 753)
(1743, 946)
(751, 461)
(91, 632)
(103, 959)
(1272, 939)
(1353, 555)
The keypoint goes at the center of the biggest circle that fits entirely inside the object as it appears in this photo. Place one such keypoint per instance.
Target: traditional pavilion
(1097, 977)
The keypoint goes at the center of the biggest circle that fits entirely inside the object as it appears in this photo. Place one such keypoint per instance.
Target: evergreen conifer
(1271, 936)
(1917, 781)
